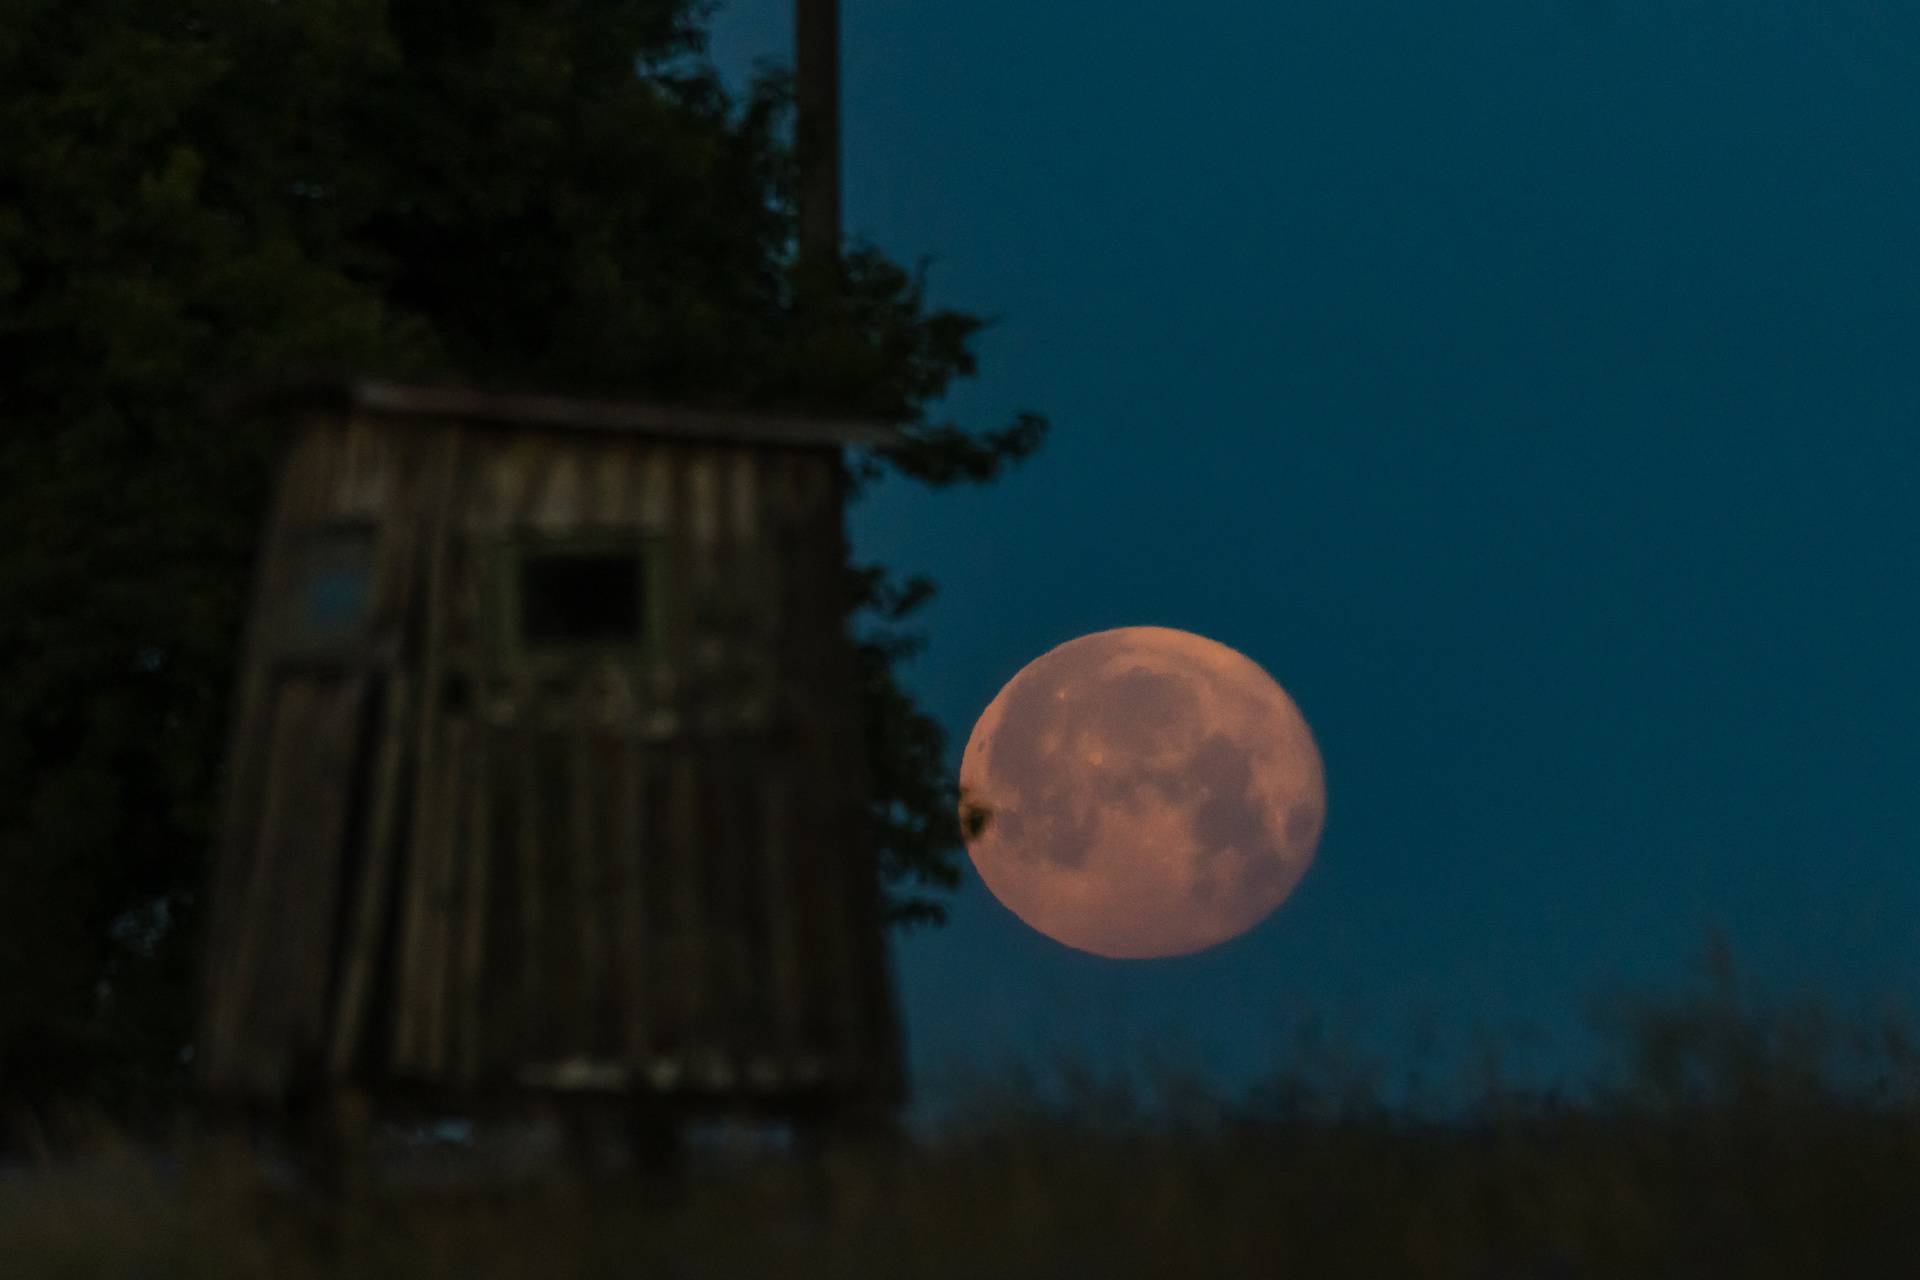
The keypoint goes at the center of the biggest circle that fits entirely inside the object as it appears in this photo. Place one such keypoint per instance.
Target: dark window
(580, 598)
(336, 598)
(330, 601)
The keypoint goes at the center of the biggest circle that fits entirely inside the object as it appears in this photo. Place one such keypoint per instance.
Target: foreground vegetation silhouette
(1729, 1138)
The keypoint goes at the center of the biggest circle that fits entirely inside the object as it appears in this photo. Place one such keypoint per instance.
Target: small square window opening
(581, 598)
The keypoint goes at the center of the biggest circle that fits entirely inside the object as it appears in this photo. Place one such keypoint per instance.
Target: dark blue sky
(1531, 386)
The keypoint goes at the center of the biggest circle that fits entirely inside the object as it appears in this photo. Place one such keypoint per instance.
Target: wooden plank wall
(636, 870)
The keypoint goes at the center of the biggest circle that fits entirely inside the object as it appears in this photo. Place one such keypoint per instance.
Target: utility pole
(816, 48)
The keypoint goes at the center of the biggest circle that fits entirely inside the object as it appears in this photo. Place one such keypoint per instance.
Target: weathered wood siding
(453, 864)
(312, 778)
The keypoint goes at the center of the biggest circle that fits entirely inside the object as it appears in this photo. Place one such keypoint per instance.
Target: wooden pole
(817, 127)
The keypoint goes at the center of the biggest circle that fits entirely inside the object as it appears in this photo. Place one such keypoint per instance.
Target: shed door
(307, 766)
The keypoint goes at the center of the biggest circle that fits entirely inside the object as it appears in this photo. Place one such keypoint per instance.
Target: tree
(554, 195)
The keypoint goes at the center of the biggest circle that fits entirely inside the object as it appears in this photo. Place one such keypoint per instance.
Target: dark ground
(1731, 1145)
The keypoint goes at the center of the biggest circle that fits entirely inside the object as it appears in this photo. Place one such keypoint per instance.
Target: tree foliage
(556, 195)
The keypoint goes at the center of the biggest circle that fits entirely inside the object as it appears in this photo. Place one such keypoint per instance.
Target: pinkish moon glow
(1142, 792)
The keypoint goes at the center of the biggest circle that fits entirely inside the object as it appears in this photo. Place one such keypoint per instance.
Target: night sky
(1530, 386)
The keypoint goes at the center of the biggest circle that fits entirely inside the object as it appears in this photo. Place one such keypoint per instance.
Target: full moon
(1142, 792)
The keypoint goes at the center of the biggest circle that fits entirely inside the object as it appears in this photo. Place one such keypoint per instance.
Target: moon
(1142, 792)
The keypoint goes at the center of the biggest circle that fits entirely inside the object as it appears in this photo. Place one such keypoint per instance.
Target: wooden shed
(546, 768)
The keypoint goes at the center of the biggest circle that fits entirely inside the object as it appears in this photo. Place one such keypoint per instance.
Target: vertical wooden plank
(559, 1012)
(396, 553)
(608, 476)
(533, 907)
(502, 493)
(445, 909)
(704, 917)
(752, 589)
(621, 695)
(665, 993)
(654, 510)
(655, 507)
(371, 454)
(287, 951)
(236, 1038)
(825, 920)
(610, 798)
(630, 854)
(772, 535)
(428, 650)
(315, 855)
(703, 522)
(743, 493)
(421, 910)
(799, 589)
(704, 514)
(560, 491)
(713, 478)
(747, 904)
(465, 630)
(690, 978)
(783, 906)
(721, 840)
(363, 941)
(717, 921)
(701, 532)
(583, 851)
(740, 531)
(472, 993)
(501, 1010)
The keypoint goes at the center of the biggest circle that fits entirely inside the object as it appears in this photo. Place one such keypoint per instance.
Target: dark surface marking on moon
(1132, 706)
(1231, 816)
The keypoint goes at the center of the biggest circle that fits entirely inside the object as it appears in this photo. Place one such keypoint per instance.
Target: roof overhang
(561, 413)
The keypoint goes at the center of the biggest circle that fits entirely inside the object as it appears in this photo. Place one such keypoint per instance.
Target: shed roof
(623, 417)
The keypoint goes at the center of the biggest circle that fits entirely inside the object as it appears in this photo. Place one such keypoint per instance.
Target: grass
(1731, 1142)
